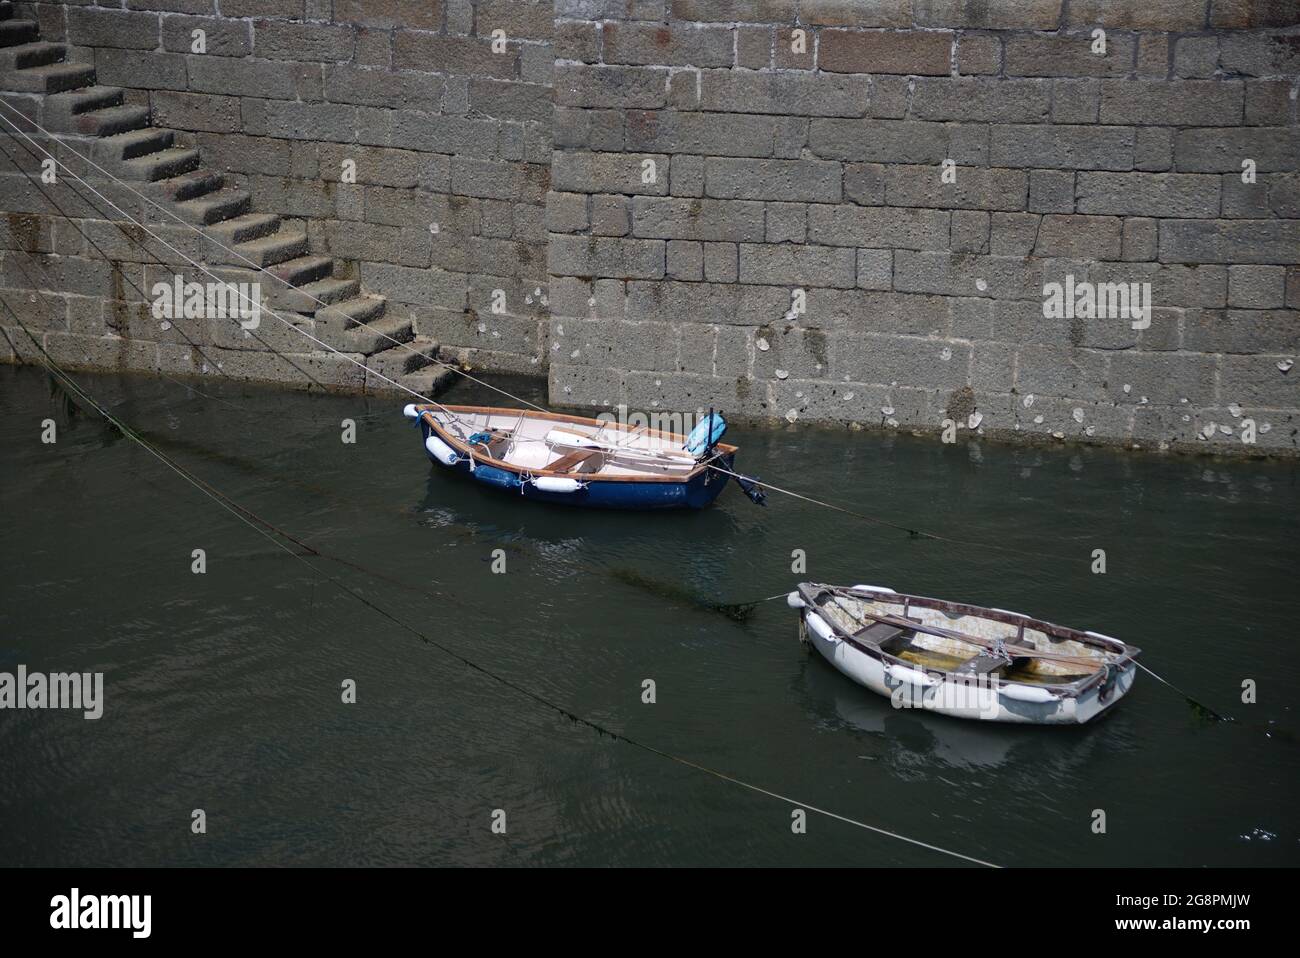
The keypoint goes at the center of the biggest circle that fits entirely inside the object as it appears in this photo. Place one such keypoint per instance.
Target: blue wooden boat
(574, 460)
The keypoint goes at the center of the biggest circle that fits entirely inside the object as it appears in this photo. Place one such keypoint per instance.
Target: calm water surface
(223, 690)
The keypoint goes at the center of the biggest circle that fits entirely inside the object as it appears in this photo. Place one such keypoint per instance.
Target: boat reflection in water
(917, 745)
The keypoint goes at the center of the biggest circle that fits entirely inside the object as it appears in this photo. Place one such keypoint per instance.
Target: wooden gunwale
(426, 411)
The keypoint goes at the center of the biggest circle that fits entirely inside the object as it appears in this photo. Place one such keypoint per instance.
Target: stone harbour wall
(390, 136)
(800, 148)
(887, 213)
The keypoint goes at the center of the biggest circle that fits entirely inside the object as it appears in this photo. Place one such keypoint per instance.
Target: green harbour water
(223, 690)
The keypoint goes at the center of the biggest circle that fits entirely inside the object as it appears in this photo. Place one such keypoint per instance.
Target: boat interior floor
(951, 655)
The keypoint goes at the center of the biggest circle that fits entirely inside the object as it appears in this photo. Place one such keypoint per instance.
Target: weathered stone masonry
(253, 139)
(629, 196)
(820, 168)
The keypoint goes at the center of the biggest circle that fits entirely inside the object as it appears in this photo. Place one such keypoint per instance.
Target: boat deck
(565, 447)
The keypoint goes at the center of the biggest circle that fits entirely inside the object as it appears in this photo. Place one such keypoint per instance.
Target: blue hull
(695, 493)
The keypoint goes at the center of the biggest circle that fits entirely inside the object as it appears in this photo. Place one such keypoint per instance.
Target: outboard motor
(700, 444)
(750, 487)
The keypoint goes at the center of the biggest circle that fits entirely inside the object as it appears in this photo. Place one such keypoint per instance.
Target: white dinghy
(964, 660)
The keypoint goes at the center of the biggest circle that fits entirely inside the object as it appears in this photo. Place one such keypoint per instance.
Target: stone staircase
(96, 121)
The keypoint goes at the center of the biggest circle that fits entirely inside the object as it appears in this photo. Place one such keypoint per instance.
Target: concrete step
(244, 228)
(61, 108)
(51, 78)
(266, 251)
(119, 148)
(378, 335)
(429, 382)
(408, 358)
(186, 186)
(35, 54)
(303, 270)
(308, 298)
(14, 32)
(349, 313)
(159, 166)
(109, 121)
(214, 207)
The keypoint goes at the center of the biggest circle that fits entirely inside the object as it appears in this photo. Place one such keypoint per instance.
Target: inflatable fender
(557, 484)
(440, 450)
(911, 676)
(1023, 693)
(820, 626)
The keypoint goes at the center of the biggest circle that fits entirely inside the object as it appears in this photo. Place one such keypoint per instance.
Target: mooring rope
(261, 527)
(199, 266)
(90, 240)
(379, 332)
(913, 532)
(1195, 703)
(212, 363)
(916, 533)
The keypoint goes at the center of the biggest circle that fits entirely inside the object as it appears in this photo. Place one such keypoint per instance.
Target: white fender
(1027, 693)
(556, 484)
(873, 588)
(1108, 638)
(441, 451)
(911, 676)
(410, 412)
(820, 626)
(794, 602)
(1007, 612)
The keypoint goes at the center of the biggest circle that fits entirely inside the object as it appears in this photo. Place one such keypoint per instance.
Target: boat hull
(696, 492)
(963, 700)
